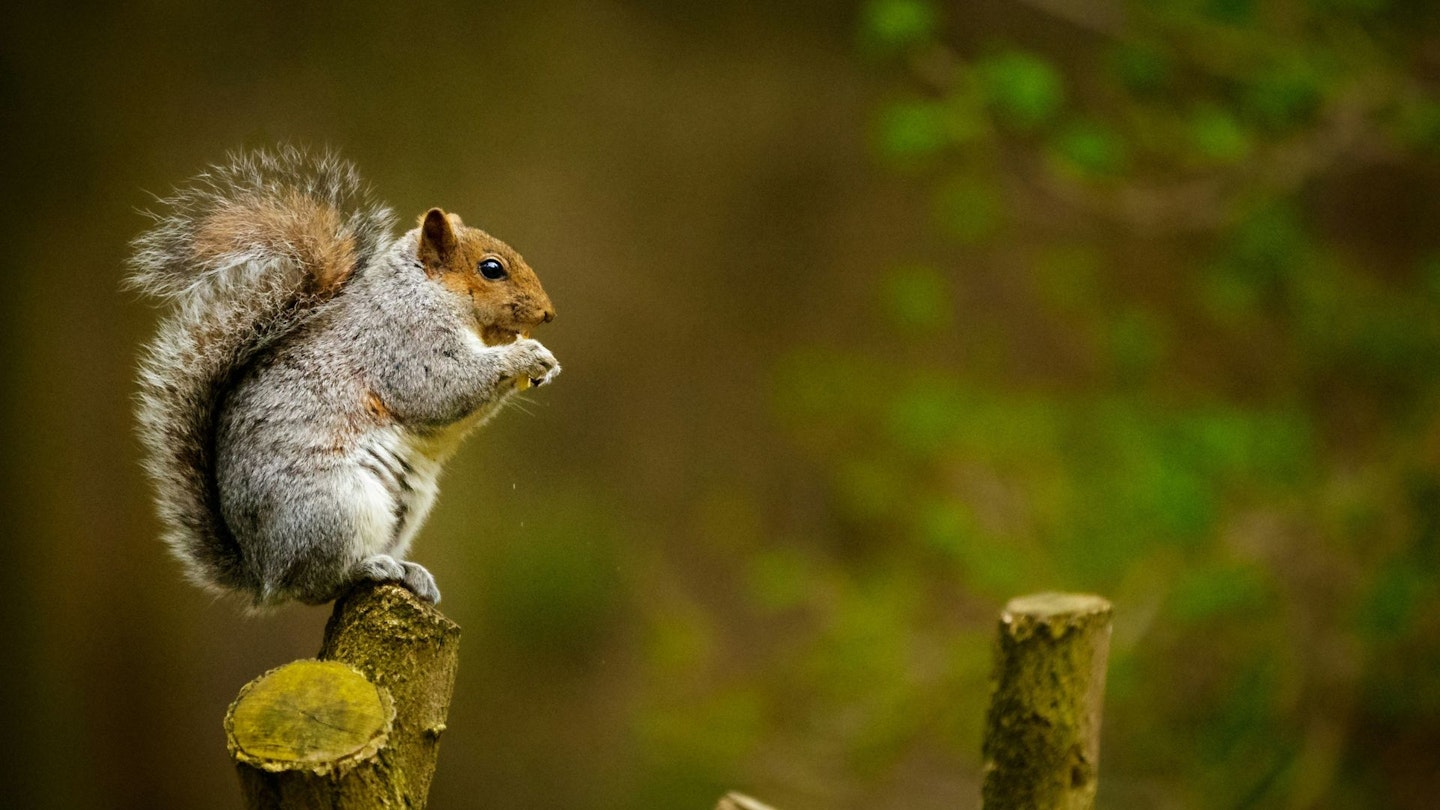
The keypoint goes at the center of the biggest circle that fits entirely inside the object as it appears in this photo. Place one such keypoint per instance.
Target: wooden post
(361, 726)
(1042, 733)
(735, 800)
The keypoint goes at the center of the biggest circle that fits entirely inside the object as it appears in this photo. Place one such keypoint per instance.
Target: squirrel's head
(503, 291)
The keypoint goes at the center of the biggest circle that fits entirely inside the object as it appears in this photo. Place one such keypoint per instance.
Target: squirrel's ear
(437, 239)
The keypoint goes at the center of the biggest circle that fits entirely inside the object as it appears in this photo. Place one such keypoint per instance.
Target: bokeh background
(873, 315)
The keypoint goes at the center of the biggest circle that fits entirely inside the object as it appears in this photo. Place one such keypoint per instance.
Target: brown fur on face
(294, 224)
(451, 253)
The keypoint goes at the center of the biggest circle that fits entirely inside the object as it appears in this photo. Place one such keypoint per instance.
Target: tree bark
(1042, 733)
(361, 726)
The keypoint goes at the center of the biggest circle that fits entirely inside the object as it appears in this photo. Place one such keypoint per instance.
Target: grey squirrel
(314, 372)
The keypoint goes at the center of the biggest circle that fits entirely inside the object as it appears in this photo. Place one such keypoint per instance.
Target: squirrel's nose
(547, 316)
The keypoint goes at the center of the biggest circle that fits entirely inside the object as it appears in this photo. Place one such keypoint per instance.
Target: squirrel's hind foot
(413, 575)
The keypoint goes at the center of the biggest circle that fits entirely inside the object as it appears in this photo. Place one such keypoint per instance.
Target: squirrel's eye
(492, 269)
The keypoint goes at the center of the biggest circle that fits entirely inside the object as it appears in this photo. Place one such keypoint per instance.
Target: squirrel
(314, 372)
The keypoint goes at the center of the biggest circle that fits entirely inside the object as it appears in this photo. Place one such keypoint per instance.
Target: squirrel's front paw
(530, 363)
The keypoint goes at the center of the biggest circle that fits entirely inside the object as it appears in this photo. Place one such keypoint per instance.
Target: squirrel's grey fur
(272, 478)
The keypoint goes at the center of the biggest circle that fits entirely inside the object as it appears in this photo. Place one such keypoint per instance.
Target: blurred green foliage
(1024, 90)
(1221, 410)
(556, 596)
(891, 25)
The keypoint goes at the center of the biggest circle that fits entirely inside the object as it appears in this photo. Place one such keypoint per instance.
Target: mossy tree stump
(361, 726)
(1042, 733)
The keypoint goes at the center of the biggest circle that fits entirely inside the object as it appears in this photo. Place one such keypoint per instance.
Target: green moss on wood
(1042, 737)
(308, 714)
(359, 728)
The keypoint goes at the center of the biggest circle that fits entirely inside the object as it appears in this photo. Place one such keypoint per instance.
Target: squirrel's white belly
(398, 484)
(399, 472)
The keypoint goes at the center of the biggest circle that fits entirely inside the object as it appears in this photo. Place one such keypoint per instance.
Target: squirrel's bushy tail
(243, 254)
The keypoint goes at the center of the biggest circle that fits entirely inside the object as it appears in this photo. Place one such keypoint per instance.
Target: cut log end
(1047, 605)
(739, 801)
(308, 715)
